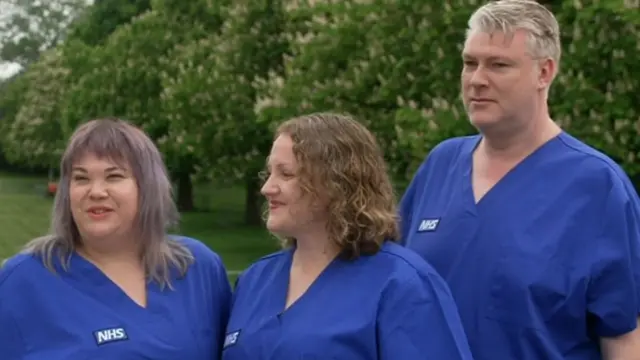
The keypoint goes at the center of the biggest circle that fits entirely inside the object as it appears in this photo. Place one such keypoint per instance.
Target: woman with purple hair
(108, 282)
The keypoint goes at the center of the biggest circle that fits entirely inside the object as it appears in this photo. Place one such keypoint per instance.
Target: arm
(623, 347)
(418, 319)
(614, 289)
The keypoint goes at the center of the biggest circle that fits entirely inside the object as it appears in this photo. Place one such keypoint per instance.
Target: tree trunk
(253, 202)
(185, 192)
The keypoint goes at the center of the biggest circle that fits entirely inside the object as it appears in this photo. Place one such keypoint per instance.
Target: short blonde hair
(119, 141)
(507, 16)
(340, 161)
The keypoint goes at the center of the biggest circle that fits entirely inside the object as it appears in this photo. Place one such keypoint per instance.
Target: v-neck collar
(508, 177)
(279, 299)
(90, 280)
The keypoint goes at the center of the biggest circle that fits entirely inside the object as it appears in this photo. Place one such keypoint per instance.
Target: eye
(115, 176)
(79, 178)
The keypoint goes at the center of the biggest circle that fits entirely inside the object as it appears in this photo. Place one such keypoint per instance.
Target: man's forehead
(495, 43)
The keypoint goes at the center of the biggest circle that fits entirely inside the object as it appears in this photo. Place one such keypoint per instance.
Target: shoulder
(18, 270)
(203, 255)
(593, 171)
(406, 269)
(456, 144)
(403, 261)
(267, 262)
(453, 147)
(264, 269)
(447, 152)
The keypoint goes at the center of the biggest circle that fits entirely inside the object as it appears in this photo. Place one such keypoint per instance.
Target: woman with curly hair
(341, 288)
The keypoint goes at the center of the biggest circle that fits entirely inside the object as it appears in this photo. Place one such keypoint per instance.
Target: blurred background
(209, 80)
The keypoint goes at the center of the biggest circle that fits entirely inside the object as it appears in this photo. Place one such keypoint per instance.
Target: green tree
(125, 81)
(595, 96)
(28, 27)
(216, 89)
(37, 135)
(103, 17)
(393, 64)
(126, 77)
(12, 91)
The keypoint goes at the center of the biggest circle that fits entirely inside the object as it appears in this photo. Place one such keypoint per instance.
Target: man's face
(500, 78)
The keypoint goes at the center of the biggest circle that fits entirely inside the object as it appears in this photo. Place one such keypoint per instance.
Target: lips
(481, 100)
(275, 204)
(99, 210)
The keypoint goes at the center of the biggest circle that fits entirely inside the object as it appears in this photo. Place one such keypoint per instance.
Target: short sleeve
(614, 287)
(407, 205)
(418, 319)
(12, 345)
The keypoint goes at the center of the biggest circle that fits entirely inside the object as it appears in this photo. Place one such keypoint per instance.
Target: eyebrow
(281, 166)
(109, 169)
(490, 58)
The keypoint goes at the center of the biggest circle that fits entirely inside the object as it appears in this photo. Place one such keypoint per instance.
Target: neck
(522, 141)
(116, 252)
(314, 251)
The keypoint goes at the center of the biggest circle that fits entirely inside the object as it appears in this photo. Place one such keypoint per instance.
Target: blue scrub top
(387, 306)
(546, 262)
(81, 314)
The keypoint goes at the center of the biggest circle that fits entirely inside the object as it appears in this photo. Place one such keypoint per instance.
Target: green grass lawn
(25, 213)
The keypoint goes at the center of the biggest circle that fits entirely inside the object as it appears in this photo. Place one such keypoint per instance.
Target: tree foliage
(104, 17)
(38, 133)
(596, 94)
(209, 80)
(392, 63)
(215, 91)
(28, 27)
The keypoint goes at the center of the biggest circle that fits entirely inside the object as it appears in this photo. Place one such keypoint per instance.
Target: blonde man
(536, 233)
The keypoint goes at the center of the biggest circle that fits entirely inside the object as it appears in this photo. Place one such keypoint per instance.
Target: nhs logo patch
(428, 225)
(110, 335)
(231, 339)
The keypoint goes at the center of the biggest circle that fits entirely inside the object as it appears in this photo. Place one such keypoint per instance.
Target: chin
(277, 227)
(98, 232)
(483, 120)
(270, 223)
(274, 227)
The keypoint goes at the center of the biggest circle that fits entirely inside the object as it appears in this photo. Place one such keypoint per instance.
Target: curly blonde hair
(341, 163)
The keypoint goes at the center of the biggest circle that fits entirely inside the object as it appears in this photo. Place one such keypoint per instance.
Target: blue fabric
(545, 263)
(81, 314)
(390, 305)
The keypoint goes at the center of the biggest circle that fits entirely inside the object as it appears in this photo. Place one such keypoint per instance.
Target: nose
(478, 77)
(98, 190)
(269, 188)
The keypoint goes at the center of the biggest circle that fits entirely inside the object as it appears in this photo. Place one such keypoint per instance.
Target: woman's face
(290, 211)
(103, 197)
